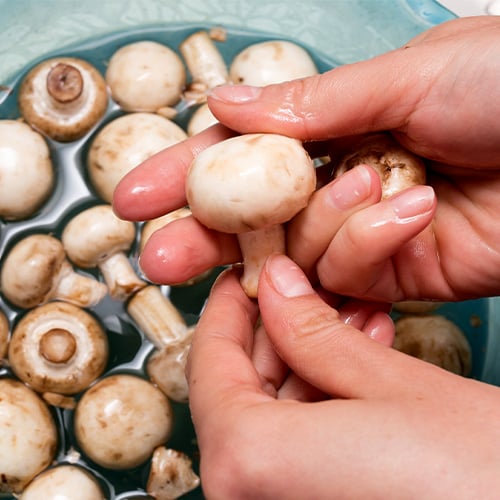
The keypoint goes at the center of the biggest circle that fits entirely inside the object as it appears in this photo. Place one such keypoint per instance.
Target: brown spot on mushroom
(64, 82)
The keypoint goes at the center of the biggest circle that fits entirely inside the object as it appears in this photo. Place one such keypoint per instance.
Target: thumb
(318, 346)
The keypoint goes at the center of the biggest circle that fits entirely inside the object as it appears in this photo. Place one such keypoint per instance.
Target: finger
(297, 389)
(219, 369)
(311, 231)
(157, 186)
(184, 249)
(318, 346)
(360, 262)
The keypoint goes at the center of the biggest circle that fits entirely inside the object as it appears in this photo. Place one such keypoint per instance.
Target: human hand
(387, 426)
(416, 94)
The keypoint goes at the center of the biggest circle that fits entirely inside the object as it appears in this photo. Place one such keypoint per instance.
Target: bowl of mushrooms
(92, 355)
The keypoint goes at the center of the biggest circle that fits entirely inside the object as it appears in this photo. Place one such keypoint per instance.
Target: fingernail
(350, 188)
(412, 203)
(287, 278)
(236, 94)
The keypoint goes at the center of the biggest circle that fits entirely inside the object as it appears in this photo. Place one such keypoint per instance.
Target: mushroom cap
(28, 435)
(95, 234)
(435, 339)
(64, 482)
(122, 406)
(26, 170)
(28, 272)
(269, 62)
(58, 347)
(124, 143)
(250, 182)
(69, 117)
(145, 76)
(4, 334)
(201, 119)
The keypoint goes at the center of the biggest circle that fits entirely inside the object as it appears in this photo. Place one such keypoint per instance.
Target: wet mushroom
(435, 339)
(4, 335)
(26, 170)
(124, 143)
(96, 237)
(171, 474)
(63, 98)
(250, 185)
(58, 347)
(64, 482)
(28, 436)
(269, 62)
(145, 76)
(120, 421)
(397, 167)
(36, 270)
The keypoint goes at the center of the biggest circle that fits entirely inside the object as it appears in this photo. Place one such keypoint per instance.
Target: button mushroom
(201, 119)
(64, 482)
(124, 143)
(4, 335)
(397, 167)
(269, 62)
(250, 185)
(63, 98)
(36, 270)
(435, 339)
(26, 170)
(58, 347)
(28, 436)
(145, 76)
(96, 237)
(171, 474)
(120, 421)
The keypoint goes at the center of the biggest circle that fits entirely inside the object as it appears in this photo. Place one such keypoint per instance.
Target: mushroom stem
(64, 83)
(256, 247)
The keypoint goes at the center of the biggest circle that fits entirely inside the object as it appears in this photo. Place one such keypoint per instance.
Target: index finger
(157, 185)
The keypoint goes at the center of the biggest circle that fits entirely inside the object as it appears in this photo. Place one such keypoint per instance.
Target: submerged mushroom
(28, 433)
(64, 482)
(145, 76)
(124, 143)
(4, 335)
(120, 421)
(250, 185)
(58, 347)
(26, 170)
(397, 167)
(63, 97)
(36, 270)
(171, 474)
(96, 237)
(435, 339)
(269, 62)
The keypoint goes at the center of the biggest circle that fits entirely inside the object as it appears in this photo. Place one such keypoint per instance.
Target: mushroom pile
(93, 355)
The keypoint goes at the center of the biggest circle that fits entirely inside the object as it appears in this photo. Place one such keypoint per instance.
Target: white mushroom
(269, 62)
(63, 97)
(397, 167)
(124, 143)
(171, 474)
(36, 270)
(4, 335)
(28, 436)
(435, 339)
(58, 347)
(96, 237)
(250, 185)
(201, 119)
(120, 420)
(145, 76)
(26, 170)
(64, 482)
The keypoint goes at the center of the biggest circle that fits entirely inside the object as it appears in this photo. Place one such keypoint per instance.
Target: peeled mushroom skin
(63, 98)
(435, 339)
(270, 62)
(64, 482)
(28, 436)
(26, 170)
(4, 335)
(120, 420)
(58, 347)
(145, 76)
(124, 143)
